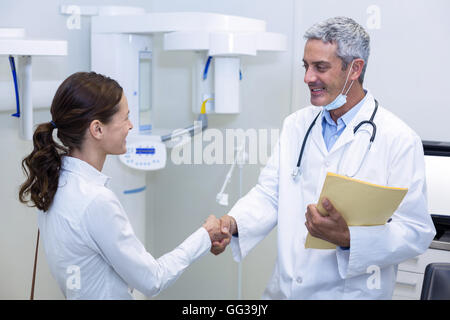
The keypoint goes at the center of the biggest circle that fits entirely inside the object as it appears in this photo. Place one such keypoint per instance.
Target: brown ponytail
(80, 99)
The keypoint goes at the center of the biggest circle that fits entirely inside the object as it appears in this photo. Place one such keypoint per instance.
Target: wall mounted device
(122, 48)
(17, 47)
(120, 35)
(144, 153)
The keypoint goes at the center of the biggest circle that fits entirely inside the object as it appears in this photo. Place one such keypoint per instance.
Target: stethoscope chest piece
(295, 173)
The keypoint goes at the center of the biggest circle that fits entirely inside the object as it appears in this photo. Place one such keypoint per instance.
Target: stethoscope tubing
(372, 138)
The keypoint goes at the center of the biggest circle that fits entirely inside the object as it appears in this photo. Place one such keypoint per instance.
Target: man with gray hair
(344, 131)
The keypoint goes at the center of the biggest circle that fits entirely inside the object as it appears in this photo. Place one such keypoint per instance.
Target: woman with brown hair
(89, 243)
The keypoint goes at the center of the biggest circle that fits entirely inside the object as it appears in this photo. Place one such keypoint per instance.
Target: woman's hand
(218, 233)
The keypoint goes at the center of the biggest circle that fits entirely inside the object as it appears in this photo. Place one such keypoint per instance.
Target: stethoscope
(296, 170)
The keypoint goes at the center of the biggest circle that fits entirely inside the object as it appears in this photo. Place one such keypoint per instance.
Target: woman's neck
(94, 157)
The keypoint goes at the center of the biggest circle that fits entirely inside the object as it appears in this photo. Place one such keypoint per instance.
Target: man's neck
(355, 95)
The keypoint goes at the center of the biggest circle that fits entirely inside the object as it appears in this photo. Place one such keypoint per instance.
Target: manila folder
(360, 203)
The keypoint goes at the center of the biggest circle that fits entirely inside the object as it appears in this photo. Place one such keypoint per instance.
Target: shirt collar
(346, 117)
(85, 170)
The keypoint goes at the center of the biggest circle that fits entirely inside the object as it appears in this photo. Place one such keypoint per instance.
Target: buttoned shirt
(332, 130)
(90, 245)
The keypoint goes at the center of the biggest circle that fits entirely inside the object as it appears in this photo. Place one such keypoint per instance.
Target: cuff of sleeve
(360, 240)
(235, 249)
(197, 244)
(236, 243)
(343, 257)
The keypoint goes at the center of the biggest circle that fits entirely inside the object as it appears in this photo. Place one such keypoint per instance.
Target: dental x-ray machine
(122, 48)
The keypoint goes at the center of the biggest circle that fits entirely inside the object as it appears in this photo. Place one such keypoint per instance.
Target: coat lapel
(317, 136)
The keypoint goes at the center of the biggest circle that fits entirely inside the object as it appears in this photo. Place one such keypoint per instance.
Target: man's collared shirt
(331, 131)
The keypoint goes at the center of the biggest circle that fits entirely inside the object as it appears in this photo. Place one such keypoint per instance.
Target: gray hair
(352, 40)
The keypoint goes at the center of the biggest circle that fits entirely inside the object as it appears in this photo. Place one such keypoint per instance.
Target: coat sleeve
(411, 229)
(112, 236)
(256, 213)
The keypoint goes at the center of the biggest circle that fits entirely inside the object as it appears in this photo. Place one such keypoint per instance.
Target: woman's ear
(96, 129)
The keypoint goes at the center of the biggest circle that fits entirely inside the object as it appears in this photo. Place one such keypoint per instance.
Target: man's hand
(228, 227)
(219, 235)
(331, 228)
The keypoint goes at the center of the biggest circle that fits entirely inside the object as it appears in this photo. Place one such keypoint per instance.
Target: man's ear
(96, 129)
(357, 68)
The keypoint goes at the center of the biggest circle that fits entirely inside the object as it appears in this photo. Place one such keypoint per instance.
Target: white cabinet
(408, 286)
(410, 274)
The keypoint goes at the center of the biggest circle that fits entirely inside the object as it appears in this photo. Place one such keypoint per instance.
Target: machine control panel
(145, 155)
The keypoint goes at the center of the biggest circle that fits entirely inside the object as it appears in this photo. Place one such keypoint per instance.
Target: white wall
(408, 65)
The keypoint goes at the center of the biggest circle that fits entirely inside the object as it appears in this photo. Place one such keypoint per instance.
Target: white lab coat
(368, 270)
(91, 248)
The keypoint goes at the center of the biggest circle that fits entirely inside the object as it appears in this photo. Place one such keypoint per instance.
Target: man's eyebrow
(318, 62)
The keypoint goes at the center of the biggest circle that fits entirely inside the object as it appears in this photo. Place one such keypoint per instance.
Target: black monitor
(436, 148)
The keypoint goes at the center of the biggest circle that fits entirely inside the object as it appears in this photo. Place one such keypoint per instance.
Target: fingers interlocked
(219, 233)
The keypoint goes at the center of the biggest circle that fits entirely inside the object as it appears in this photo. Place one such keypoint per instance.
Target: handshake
(220, 232)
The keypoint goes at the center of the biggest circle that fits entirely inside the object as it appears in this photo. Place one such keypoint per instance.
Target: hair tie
(53, 124)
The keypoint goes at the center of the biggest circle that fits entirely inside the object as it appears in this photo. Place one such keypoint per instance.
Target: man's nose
(310, 76)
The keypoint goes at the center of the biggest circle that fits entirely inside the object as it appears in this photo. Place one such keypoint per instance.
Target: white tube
(226, 84)
(237, 160)
(222, 199)
(240, 262)
(25, 93)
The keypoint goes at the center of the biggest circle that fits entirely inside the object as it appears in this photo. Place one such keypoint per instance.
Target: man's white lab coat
(396, 159)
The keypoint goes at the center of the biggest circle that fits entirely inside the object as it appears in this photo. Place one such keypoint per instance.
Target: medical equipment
(16, 86)
(296, 170)
(224, 38)
(241, 158)
(125, 48)
(222, 198)
(148, 152)
(144, 154)
(14, 45)
(199, 125)
(126, 44)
